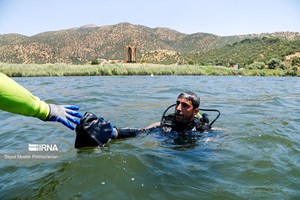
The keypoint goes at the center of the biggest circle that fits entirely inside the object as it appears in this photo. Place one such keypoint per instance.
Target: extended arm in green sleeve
(16, 99)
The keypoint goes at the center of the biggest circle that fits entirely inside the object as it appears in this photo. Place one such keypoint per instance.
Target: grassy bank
(124, 69)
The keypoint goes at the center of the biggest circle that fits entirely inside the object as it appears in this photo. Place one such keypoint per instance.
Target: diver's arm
(153, 125)
(125, 132)
(16, 99)
(132, 132)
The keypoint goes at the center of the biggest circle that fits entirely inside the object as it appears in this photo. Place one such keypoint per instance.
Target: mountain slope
(81, 45)
(248, 51)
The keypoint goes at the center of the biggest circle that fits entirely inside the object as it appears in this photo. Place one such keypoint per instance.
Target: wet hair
(192, 97)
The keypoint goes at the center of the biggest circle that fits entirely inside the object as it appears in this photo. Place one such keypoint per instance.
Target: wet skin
(184, 111)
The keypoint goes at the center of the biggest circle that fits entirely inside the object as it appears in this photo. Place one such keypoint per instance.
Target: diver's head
(187, 106)
(192, 97)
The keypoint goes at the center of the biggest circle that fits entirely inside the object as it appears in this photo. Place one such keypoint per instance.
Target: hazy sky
(220, 17)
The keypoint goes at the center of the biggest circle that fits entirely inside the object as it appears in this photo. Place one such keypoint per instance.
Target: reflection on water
(253, 152)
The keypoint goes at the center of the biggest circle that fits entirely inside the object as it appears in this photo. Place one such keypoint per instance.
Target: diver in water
(94, 131)
(186, 116)
(16, 99)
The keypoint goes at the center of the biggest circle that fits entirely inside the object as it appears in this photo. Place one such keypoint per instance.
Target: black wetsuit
(169, 124)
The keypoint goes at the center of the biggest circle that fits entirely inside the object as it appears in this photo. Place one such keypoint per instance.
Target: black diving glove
(93, 131)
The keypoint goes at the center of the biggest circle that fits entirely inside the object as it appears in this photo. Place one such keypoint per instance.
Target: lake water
(254, 154)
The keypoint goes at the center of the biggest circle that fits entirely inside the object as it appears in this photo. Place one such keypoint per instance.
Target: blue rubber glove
(64, 114)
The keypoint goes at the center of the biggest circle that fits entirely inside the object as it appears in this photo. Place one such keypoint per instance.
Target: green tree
(275, 63)
(296, 61)
(256, 65)
(95, 61)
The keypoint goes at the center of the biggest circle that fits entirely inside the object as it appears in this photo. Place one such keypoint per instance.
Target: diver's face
(184, 111)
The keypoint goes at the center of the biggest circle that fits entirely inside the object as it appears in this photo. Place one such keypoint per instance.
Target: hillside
(248, 51)
(83, 44)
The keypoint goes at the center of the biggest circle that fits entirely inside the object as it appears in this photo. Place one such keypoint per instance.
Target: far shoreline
(132, 69)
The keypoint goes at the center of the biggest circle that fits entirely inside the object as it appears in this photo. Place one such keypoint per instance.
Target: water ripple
(254, 152)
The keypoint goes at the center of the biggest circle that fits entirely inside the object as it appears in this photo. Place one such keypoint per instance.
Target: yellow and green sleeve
(198, 115)
(16, 99)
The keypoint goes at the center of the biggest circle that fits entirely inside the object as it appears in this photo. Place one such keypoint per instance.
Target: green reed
(125, 69)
